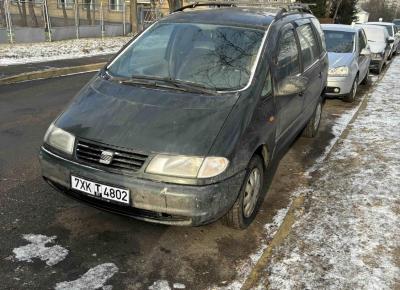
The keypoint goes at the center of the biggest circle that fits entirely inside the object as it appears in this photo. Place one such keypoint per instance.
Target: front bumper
(152, 201)
(339, 86)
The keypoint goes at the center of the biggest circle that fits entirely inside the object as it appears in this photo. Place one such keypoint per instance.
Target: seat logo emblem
(106, 157)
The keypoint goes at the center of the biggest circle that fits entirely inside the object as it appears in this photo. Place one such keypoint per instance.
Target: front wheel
(248, 202)
(312, 126)
(351, 97)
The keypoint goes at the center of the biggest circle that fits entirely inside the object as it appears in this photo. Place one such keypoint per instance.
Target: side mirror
(292, 85)
(365, 51)
(390, 39)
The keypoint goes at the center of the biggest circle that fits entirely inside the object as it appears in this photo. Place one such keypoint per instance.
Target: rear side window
(308, 44)
(288, 56)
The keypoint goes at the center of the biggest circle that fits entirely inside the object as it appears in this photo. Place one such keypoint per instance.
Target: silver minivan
(349, 60)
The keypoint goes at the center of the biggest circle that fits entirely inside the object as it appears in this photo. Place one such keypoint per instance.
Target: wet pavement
(138, 254)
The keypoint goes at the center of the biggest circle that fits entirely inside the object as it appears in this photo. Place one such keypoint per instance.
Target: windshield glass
(212, 56)
(374, 34)
(388, 27)
(339, 41)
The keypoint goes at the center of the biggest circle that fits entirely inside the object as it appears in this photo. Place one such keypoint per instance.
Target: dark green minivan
(183, 125)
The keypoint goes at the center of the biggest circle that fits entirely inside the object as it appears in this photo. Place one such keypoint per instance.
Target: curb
(51, 73)
(285, 228)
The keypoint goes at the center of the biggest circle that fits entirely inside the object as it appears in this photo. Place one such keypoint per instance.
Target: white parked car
(393, 34)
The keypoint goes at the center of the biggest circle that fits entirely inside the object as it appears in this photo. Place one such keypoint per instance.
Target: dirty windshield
(212, 56)
(339, 41)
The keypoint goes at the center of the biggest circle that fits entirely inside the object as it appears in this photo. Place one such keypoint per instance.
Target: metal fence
(41, 20)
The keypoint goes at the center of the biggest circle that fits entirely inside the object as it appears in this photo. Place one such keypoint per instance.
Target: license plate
(100, 190)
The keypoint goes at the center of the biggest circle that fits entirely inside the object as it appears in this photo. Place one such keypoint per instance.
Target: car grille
(122, 160)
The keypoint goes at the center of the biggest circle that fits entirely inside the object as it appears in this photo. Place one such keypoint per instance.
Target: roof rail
(283, 7)
(208, 4)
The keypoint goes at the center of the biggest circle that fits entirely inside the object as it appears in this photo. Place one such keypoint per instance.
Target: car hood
(377, 47)
(147, 120)
(339, 59)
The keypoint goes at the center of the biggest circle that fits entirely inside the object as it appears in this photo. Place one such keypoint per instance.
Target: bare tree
(64, 11)
(378, 9)
(22, 12)
(88, 14)
(34, 21)
(174, 4)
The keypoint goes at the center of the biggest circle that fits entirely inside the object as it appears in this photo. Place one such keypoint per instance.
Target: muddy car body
(179, 150)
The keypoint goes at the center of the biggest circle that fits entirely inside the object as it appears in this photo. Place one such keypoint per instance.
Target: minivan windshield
(339, 41)
(374, 34)
(216, 57)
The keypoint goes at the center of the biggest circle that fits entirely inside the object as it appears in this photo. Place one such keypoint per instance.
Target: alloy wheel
(251, 193)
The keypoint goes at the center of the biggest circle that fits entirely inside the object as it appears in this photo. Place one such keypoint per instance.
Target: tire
(247, 204)
(350, 98)
(312, 126)
(365, 81)
(379, 70)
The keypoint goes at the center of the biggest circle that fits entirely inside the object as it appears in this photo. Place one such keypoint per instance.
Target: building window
(116, 5)
(69, 4)
(20, 2)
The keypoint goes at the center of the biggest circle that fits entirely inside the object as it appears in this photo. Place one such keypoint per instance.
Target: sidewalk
(12, 70)
(347, 233)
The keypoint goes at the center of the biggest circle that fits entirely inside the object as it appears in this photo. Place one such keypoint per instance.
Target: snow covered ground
(46, 51)
(348, 233)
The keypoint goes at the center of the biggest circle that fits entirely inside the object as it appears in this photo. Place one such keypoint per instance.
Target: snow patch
(348, 237)
(179, 286)
(38, 249)
(160, 285)
(12, 54)
(164, 285)
(95, 278)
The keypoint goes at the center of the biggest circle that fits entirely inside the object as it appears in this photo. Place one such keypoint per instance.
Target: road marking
(38, 249)
(95, 278)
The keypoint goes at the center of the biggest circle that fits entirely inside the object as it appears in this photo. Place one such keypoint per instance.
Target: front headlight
(341, 71)
(60, 139)
(187, 166)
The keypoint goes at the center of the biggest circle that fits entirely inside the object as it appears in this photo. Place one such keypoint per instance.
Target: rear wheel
(248, 202)
(312, 126)
(349, 98)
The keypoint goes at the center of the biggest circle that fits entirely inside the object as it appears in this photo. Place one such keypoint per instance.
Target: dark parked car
(183, 125)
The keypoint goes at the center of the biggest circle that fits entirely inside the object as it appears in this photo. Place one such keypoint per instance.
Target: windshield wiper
(166, 82)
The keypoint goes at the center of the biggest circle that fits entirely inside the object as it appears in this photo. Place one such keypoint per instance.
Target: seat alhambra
(183, 125)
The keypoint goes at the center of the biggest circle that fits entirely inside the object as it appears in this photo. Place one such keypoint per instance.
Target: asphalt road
(11, 70)
(199, 257)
